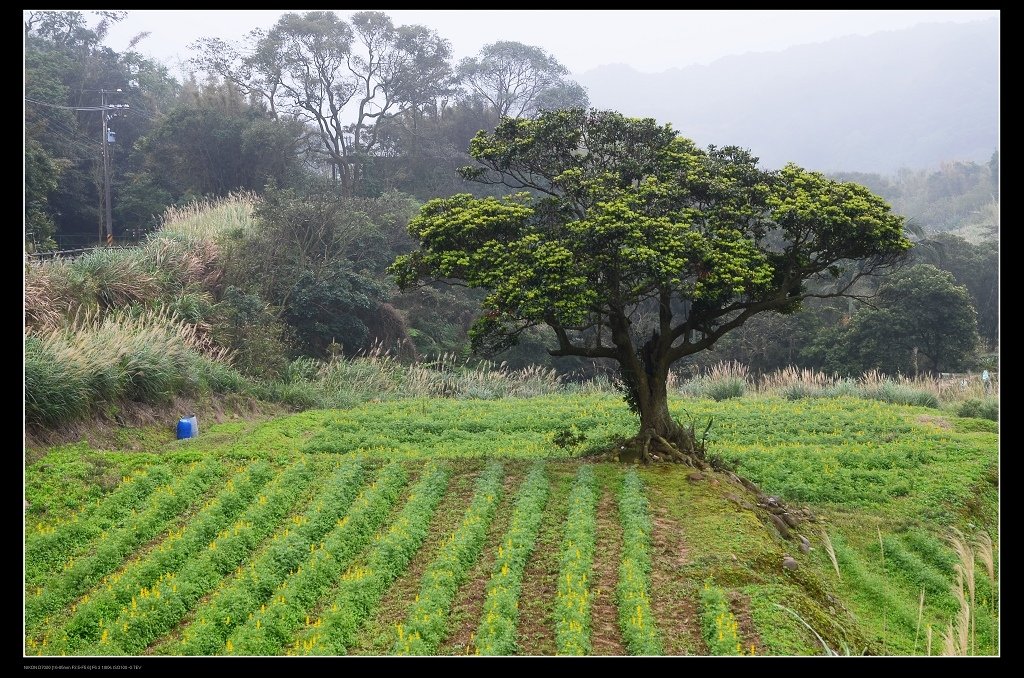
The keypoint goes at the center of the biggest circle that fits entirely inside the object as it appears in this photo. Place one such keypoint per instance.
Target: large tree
(346, 80)
(518, 80)
(919, 321)
(632, 244)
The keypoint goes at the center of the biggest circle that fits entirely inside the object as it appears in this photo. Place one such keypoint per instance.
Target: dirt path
(739, 603)
(469, 601)
(605, 635)
(673, 598)
(377, 633)
(536, 632)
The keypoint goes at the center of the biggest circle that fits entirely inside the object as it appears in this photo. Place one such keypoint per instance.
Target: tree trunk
(661, 437)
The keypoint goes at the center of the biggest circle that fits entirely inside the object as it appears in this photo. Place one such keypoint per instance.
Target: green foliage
(979, 409)
(919, 309)
(42, 173)
(214, 142)
(500, 615)
(66, 65)
(78, 575)
(318, 258)
(164, 603)
(48, 547)
(54, 391)
(361, 588)
(293, 525)
(976, 426)
(958, 195)
(886, 390)
(245, 324)
(715, 389)
(852, 453)
(289, 546)
(717, 623)
(424, 428)
(974, 266)
(73, 372)
(633, 592)
(427, 621)
(572, 604)
(180, 546)
(282, 615)
(624, 212)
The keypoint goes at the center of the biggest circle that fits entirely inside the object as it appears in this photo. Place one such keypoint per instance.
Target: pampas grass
(959, 638)
(97, 360)
(956, 639)
(831, 551)
(722, 381)
(733, 379)
(209, 219)
(985, 552)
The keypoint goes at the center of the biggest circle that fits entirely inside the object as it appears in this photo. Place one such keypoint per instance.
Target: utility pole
(109, 223)
(105, 225)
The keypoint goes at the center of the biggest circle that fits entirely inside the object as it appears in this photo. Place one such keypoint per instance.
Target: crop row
(572, 605)
(427, 620)
(634, 587)
(47, 547)
(496, 634)
(79, 575)
(361, 588)
(229, 606)
(717, 623)
(290, 605)
(160, 606)
(169, 556)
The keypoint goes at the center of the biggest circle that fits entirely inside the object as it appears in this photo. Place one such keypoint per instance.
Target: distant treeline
(959, 196)
(332, 175)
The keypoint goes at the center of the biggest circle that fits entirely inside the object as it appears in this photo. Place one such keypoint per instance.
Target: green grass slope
(694, 565)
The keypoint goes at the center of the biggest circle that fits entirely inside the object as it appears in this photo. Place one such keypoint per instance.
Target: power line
(61, 126)
(106, 225)
(68, 108)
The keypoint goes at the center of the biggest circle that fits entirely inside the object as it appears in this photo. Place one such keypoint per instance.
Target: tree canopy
(920, 320)
(631, 243)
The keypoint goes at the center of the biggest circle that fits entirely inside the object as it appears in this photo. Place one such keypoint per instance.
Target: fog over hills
(907, 98)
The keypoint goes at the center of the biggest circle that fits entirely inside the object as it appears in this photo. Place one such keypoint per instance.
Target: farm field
(443, 526)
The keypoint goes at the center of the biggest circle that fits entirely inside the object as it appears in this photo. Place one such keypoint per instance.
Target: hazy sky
(649, 41)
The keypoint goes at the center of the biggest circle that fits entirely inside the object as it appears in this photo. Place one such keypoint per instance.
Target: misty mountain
(906, 98)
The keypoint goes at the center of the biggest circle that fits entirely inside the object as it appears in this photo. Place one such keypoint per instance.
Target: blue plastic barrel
(188, 427)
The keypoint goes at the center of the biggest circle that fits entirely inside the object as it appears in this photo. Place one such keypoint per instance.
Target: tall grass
(155, 275)
(73, 371)
(831, 551)
(382, 376)
(211, 218)
(723, 380)
(956, 637)
(959, 639)
(985, 552)
(732, 379)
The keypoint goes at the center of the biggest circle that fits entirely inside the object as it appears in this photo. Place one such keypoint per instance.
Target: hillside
(876, 103)
(432, 526)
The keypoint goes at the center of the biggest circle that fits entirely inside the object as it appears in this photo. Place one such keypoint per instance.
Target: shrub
(723, 381)
(979, 409)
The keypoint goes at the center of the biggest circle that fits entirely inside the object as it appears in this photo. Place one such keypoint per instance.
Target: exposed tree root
(650, 446)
